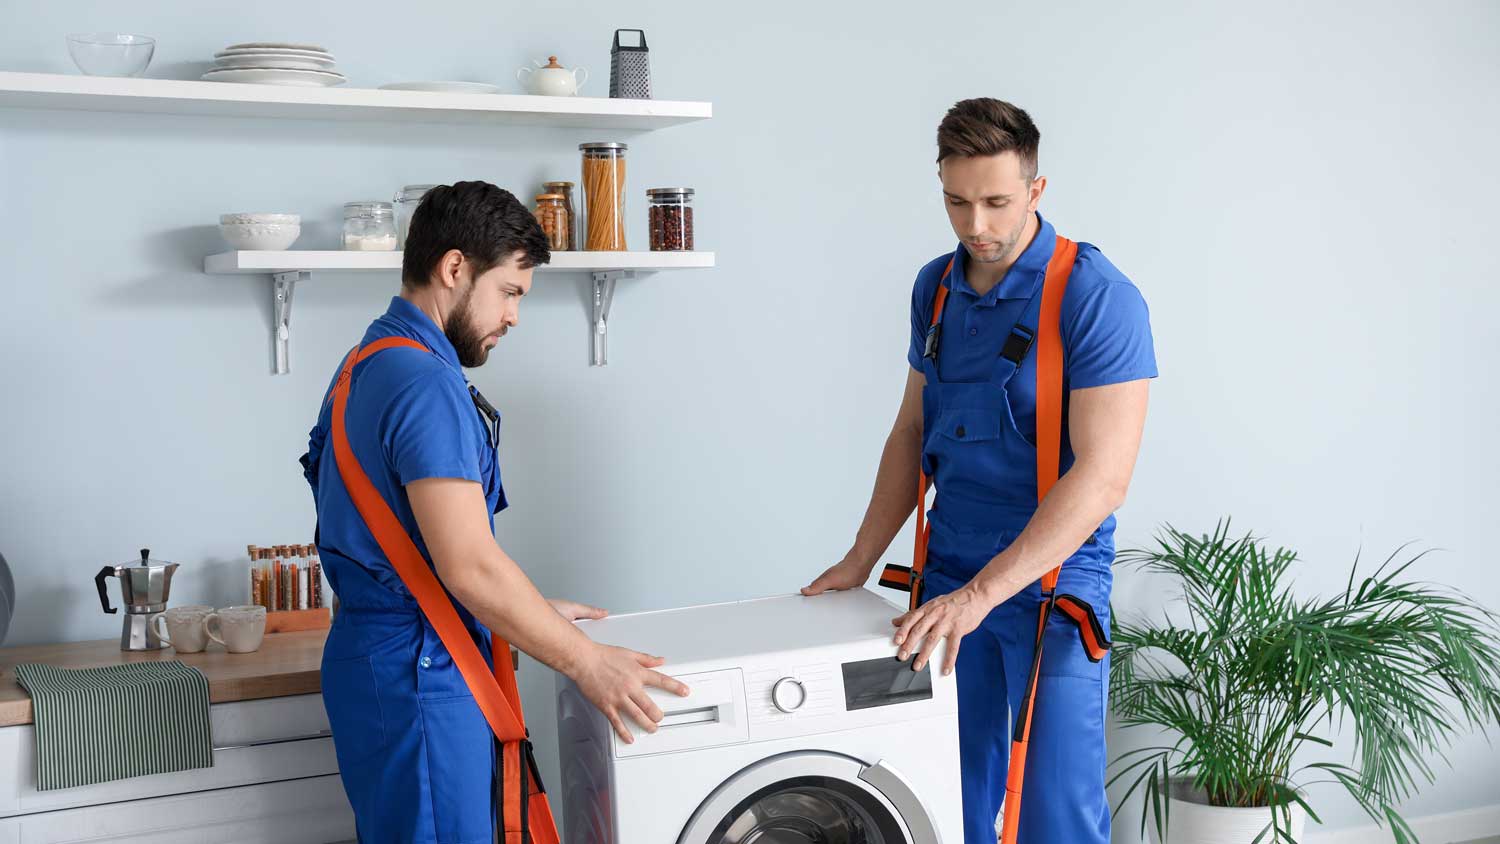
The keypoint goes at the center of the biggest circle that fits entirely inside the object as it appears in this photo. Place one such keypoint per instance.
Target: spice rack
(287, 268)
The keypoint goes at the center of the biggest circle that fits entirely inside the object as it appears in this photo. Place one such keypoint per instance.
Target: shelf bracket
(604, 296)
(283, 285)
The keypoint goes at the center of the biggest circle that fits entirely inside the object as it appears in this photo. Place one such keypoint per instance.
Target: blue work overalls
(978, 447)
(415, 753)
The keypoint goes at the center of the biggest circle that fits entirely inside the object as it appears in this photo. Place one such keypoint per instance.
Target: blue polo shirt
(410, 416)
(1106, 328)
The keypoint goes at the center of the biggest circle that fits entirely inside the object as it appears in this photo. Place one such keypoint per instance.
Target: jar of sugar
(369, 226)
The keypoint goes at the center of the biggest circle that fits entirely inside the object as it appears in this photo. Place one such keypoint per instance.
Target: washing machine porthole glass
(809, 810)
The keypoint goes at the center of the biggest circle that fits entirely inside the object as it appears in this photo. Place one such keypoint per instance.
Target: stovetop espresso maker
(144, 587)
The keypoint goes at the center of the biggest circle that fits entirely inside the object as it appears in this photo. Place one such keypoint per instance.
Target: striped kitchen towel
(117, 721)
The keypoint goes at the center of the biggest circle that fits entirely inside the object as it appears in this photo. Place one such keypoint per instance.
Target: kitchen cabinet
(274, 776)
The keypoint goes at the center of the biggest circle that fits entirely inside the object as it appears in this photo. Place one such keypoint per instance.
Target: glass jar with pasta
(603, 196)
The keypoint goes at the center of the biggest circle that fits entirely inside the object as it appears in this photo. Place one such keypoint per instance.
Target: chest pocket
(972, 412)
(971, 424)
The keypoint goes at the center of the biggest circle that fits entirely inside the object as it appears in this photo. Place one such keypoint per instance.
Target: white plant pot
(1193, 821)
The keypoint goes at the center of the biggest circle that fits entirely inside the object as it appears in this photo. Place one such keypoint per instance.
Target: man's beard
(459, 329)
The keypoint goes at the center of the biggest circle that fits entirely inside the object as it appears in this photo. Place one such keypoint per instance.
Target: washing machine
(802, 726)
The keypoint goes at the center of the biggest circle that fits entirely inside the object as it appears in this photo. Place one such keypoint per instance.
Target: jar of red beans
(671, 219)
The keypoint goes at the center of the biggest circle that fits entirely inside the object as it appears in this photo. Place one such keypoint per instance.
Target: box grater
(630, 69)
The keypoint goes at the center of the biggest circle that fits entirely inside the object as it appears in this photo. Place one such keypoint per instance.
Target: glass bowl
(111, 53)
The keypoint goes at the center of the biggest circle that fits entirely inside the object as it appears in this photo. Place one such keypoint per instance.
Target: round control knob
(788, 694)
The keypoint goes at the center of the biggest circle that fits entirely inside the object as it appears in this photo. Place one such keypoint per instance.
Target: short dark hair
(986, 126)
(484, 222)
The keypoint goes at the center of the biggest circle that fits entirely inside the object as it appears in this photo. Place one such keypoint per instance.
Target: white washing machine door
(812, 797)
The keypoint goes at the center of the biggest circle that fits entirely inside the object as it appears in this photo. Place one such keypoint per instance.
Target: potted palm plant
(1249, 676)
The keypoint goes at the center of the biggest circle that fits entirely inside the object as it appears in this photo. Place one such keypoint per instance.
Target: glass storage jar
(565, 189)
(369, 226)
(407, 200)
(604, 196)
(671, 219)
(555, 220)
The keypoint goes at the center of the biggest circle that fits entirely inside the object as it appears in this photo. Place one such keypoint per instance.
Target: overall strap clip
(1018, 344)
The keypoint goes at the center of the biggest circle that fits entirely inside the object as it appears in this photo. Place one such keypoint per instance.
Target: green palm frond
(1257, 674)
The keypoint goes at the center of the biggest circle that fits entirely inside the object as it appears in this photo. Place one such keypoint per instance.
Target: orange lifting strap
(525, 815)
(1049, 403)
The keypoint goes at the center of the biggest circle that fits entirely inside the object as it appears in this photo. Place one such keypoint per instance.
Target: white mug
(241, 629)
(185, 624)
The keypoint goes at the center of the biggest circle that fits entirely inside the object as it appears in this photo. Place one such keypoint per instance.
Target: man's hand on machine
(615, 681)
(845, 574)
(574, 611)
(951, 616)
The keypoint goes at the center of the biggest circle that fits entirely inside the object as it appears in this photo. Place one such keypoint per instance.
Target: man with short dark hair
(404, 471)
(1024, 406)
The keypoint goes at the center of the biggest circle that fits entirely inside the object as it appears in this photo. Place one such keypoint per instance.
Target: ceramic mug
(185, 626)
(240, 629)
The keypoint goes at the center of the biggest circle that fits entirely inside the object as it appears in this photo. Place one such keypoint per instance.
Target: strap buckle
(488, 412)
(1018, 344)
(934, 332)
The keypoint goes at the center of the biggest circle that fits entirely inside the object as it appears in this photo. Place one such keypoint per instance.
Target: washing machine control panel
(783, 692)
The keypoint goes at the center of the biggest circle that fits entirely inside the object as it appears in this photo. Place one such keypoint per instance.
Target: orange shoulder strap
(525, 816)
(1049, 377)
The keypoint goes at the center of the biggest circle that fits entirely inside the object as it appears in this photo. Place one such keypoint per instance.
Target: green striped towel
(117, 721)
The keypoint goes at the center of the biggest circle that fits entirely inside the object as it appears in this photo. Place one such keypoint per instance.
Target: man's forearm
(1077, 504)
(894, 498)
(500, 595)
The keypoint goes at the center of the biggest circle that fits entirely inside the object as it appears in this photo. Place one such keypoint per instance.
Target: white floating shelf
(287, 267)
(289, 261)
(231, 99)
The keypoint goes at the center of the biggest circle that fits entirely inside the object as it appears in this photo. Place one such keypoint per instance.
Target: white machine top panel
(726, 632)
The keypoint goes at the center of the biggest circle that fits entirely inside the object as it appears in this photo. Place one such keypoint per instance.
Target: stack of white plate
(269, 63)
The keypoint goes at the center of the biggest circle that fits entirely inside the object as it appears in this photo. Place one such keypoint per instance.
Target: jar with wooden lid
(554, 218)
(565, 190)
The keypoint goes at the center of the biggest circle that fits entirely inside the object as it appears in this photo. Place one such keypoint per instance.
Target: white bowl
(292, 219)
(260, 237)
(111, 53)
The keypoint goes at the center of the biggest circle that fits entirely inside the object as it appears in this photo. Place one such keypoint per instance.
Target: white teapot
(551, 79)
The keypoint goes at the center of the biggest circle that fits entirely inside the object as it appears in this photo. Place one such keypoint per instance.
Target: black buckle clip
(1017, 344)
(933, 333)
(488, 411)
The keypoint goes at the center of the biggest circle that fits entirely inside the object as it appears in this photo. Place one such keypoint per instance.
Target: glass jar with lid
(407, 200)
(565, 190)
(554, 218)
(671, 219)
(369, 226)
(604, 196)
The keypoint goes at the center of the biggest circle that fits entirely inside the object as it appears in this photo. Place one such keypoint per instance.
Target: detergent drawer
(713, 715)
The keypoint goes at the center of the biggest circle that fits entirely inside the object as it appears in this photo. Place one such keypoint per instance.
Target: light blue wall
(1305, 196)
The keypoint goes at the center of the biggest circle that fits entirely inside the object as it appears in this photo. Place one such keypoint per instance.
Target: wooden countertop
(286, 664)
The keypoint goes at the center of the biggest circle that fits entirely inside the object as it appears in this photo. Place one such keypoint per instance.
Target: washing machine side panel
(587, 788)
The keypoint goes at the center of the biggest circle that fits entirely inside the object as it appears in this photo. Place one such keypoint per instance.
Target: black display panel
(884, 682)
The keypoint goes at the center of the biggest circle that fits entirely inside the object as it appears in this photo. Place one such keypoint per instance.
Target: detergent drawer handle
(688, 717)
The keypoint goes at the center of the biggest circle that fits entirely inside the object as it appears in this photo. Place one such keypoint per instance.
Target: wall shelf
(288, 267)
(308, 260)
(227, 99)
